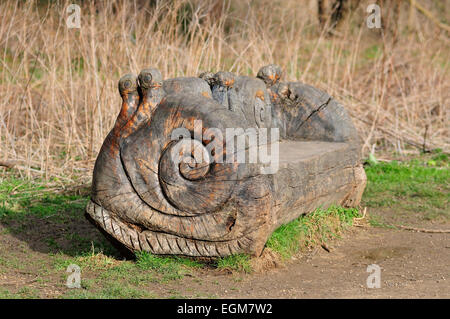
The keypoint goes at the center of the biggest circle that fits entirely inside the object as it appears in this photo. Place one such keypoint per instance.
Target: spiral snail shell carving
(163, 181)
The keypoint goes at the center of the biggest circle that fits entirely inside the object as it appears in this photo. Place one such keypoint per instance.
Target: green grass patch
(22, 293)
(418, 188)
(21, 198)
(373, 52)
(312, 229)
(5, 294)
(172, 267)
(146, 260)
(108, 277)
(111, 290)
(95, 261)
(240, 263)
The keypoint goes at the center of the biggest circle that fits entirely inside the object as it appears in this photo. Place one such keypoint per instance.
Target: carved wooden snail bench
(147, 201)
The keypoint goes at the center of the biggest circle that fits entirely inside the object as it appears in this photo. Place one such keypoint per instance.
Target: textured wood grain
(147, 201)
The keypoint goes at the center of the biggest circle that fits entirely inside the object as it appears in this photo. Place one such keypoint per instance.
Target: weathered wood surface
(146, 201)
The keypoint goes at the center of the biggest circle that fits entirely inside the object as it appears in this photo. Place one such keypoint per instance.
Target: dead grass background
(58, 86)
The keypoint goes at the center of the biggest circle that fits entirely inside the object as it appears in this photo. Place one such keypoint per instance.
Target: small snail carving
(160, 181)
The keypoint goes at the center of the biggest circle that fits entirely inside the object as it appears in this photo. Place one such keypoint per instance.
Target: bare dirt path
(413, 265)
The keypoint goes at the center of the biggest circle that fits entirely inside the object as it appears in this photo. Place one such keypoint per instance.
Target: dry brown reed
(58, 86)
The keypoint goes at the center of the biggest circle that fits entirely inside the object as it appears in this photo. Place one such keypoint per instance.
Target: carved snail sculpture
(160, 186)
